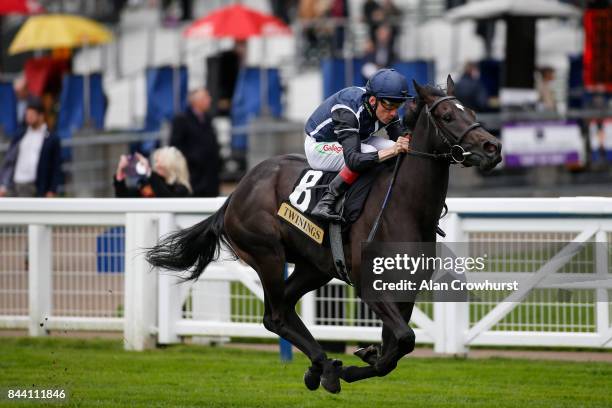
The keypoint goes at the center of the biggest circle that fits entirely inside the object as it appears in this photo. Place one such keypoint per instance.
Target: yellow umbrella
(58, 31)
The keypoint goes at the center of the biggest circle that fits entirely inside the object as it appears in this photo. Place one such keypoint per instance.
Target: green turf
(100, 373)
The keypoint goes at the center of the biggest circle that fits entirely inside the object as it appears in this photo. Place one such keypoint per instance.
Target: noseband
(457, 153)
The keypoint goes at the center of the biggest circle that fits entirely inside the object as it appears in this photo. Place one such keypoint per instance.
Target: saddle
(312, 184)
(307, 191)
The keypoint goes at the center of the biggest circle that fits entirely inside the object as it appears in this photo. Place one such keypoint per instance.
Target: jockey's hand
(402, 145)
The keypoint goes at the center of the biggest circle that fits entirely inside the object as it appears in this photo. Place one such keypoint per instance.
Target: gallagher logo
(329, 148)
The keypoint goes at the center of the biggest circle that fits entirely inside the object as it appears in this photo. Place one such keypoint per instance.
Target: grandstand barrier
(58, 272)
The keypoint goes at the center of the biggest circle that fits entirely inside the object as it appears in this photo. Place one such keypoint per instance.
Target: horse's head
(457, 126)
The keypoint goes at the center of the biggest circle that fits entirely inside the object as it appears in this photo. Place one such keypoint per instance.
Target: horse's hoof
(330, 379)
(312, 378)
(368, 354)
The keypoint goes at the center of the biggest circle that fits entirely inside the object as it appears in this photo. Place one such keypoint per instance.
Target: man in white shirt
(31, 167)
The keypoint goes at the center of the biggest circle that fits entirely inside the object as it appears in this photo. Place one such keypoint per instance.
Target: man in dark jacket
(194, 135)
(32, 165)
(470, 91)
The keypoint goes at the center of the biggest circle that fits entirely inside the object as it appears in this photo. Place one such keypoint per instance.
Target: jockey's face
(385, 112)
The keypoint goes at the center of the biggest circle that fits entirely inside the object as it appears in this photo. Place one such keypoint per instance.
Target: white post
(40, 279)
(440, 313)
(141, 231)
(212, 300)
(602, 311)
(309, 309)
(169, 299)
(451, 318)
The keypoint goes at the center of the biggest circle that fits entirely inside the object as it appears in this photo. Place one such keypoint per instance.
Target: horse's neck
(424, 138)
(433, 173)
(422, 182)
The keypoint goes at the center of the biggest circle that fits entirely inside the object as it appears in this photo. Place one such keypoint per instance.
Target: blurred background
(538, 72)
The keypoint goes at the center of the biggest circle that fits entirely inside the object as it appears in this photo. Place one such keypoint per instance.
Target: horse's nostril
(489, 148)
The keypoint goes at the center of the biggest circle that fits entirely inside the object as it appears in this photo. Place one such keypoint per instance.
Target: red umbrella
(238, 22)
(20, 7)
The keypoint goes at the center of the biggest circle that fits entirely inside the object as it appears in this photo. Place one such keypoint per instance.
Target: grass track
(99, 373)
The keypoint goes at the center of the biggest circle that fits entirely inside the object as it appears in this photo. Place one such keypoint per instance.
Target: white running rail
(77, 264)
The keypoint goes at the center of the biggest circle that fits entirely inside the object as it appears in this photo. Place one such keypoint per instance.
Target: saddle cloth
(311, 185)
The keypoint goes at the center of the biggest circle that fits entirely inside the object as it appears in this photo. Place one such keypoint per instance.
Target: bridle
(456, 154)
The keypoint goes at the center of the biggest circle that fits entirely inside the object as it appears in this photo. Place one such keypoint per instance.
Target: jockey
(339, 134)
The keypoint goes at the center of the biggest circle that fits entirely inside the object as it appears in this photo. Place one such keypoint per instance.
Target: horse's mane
(412, 115)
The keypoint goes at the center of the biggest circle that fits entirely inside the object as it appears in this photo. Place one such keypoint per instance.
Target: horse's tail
(196, 246)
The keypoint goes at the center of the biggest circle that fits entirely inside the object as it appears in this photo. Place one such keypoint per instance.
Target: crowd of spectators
(192, 165)
(189, 167)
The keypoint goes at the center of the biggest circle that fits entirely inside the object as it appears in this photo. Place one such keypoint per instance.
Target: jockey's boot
(325, 208)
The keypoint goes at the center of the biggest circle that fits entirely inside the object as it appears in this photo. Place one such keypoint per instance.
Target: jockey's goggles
(390, 104)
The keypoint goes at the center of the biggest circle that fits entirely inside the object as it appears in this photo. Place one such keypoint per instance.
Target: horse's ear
(422, 92)
(450, 86)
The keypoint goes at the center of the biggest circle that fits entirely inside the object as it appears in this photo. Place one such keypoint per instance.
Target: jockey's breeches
(328, 156)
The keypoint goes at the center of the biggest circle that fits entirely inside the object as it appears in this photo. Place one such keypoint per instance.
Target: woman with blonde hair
(169, 176)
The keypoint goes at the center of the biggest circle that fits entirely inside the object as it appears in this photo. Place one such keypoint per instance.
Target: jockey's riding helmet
(388, 84)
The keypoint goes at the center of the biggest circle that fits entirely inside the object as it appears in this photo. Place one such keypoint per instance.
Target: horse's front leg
(373, 352)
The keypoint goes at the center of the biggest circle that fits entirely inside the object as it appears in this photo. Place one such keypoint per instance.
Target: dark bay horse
(247, 222)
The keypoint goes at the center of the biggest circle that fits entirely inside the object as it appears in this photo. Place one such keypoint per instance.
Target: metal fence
(77, 264)
(88, 266)
(14, 270)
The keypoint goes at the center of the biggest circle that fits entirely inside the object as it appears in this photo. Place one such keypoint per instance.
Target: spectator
(380, 54)
(186, 11)
(194, 135)
(283, 9)
(392, 17)
(546, 93)
(598, 102)
(229, 64)
(339, 12)
(376, 14)
(169, 176)
(373, 16)
(21, 92)
(470, 91)
(117, 8)
(32, 165)
(310, 13)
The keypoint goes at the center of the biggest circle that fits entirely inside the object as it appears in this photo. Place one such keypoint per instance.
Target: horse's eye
(447, 117)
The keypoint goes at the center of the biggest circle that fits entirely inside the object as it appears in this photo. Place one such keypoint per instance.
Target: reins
(386, 200)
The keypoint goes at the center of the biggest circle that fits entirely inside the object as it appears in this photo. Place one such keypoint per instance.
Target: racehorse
(248, 223)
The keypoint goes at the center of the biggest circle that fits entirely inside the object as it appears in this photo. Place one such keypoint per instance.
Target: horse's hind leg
(290, 326)
(280, 316)
(303, 280)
